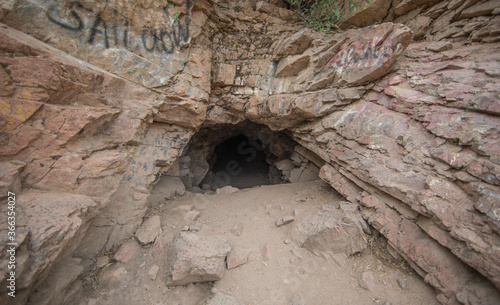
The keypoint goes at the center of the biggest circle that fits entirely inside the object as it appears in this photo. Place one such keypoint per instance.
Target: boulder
(149, 230)
(193, 259)
(330, 233)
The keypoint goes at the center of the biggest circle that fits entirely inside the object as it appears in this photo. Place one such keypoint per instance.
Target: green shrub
(322, 15)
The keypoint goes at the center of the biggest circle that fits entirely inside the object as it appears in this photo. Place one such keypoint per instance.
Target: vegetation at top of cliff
(322, 15)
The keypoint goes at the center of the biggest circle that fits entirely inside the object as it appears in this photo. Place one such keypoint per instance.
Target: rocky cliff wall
(99, 98)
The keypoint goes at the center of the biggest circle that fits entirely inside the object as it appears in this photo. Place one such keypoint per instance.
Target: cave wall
(99, 99)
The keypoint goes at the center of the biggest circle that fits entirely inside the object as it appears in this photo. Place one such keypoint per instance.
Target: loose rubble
(192, 258)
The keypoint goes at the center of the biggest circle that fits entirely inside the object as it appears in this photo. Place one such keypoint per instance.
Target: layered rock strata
(400, 104)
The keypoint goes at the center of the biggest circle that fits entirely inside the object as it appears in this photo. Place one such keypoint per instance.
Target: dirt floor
(278, 271)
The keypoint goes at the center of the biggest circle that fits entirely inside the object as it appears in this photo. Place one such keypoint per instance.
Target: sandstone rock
(101, 50)
(267, 252)
(265, 7)
(285, 166)
(349, 94)
(432, 120)
(283, 221)
(225, 74)
(102, 261)
(64, 273)
(292, 65)
(127, 251)
(379, 61)
(363, 13)
(237, 257)
(294, 44)
(419, 26)
(440, 46)
(48, 223)
(149, 230)
(153, 272)
(227, 190)
(365, 280)
(309, 172)
(330, 233)
(166, 188)
(192, 258)
(10, 178)
(187, 113)
(479, 9)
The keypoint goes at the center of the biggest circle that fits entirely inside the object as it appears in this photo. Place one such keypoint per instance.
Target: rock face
(46, 225)
(167, 188)
(149, 230)
(330, 233)
(192, 258)
(91, 117)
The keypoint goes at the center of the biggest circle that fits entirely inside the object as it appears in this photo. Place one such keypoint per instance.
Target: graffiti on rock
(118, 35)
(360, 56)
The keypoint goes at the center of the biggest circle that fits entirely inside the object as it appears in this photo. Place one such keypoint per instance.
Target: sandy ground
(278, 271)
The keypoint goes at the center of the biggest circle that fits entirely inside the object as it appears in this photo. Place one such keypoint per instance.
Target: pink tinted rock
(237, 257)
(10, 179)
(127, 251)
(295, 44)
(149, 230)
(267, 252)
(52, 221)
(365, 280)
(192, 258)
(102, 261)
(330, 233)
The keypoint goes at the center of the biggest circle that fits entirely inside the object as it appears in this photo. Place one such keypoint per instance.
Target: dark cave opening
(240, 161)
(243, 155)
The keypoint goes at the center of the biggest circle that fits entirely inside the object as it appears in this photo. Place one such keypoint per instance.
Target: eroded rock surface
(47, 224)
(149, 230)
(330, 233)
(192, 258)
(407, 130)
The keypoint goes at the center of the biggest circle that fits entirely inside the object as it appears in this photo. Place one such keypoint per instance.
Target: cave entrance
(243, 155)
(240, 161)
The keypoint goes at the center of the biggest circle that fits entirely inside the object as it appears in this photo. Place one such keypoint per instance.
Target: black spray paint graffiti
(97, 30)
(360, 56)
